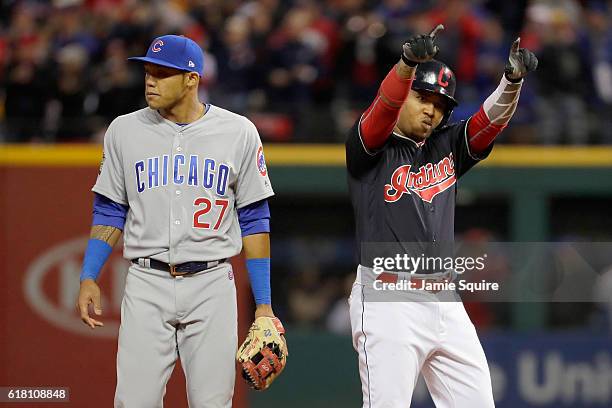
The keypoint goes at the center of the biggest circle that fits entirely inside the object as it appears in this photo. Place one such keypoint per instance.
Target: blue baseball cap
(175, 51)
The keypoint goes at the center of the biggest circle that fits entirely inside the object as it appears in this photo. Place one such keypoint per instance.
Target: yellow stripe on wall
(305, 155)
(78, 155)
(538, 156)
(61, 155)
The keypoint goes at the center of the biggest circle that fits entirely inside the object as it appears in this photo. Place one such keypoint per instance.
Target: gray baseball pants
(163, 318)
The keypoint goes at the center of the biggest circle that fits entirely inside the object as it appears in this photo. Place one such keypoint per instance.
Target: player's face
(421, 113)
(164, 86)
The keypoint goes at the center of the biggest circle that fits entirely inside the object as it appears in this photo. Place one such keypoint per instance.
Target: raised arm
(380, 118)
(497, 110)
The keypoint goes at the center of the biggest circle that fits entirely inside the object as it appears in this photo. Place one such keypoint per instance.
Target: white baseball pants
(398, 340)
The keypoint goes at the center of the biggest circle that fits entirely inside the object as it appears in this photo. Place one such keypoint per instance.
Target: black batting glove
(520, 62)
(421, 47)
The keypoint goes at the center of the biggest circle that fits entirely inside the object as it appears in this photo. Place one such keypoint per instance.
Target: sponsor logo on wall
(51, 287)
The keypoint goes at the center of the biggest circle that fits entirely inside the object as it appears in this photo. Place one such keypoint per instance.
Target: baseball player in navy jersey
(403, 161)
(186, 183)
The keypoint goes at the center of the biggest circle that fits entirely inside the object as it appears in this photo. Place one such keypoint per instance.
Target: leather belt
(187, 268)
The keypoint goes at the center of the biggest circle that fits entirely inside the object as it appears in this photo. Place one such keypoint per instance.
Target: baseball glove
(263, 354)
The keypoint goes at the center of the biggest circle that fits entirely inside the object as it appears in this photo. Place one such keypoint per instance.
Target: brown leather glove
(263, 355)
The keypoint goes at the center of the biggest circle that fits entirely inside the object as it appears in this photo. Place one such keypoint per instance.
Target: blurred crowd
(302, 70)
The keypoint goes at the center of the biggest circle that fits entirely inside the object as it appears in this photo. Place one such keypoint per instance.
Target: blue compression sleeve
(259, 275)
(105, 212)
(108, 212)
(254, 218)
(96, 254)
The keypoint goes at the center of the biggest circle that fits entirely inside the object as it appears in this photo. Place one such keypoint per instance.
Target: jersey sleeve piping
(467, 143)
(365, 149)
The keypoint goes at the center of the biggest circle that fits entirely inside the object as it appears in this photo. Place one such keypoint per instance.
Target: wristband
(408, 62)
(514, 81)
(259, 275)
(96, 254)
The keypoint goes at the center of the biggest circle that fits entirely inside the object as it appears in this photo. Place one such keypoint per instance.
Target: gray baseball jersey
(183, 184)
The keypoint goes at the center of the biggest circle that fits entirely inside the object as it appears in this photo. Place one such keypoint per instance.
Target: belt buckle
(173, 271)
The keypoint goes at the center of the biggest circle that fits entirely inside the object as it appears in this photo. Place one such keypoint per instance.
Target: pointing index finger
(433, 33)
(516, 44)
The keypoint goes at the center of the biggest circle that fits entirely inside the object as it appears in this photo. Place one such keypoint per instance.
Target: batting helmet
(434, 76)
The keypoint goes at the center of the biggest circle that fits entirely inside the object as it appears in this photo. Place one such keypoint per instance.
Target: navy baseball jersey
(403, 194)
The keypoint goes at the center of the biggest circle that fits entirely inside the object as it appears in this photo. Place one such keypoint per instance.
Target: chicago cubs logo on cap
(261, 162)
(175, 51)
(156, 47)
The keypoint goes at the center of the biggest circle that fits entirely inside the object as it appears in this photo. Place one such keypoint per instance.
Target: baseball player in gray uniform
(186, 183)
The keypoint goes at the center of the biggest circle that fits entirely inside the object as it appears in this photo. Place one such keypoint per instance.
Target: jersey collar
(417, 144)
(205, 116)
